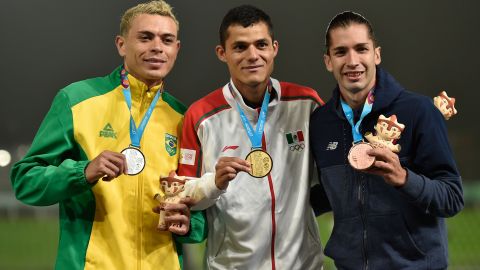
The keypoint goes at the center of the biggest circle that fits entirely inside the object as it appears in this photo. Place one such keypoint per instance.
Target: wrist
(403, 179)
(90, 179)
(221, 185)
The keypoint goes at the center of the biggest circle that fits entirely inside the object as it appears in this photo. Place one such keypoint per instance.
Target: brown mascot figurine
(172, 187)
(445, 104)
(388, 131)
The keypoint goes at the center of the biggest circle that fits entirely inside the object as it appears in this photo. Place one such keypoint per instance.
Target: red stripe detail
(207, 106)
(291, 90)
(300, 135)
(233, 147)
(272, 195)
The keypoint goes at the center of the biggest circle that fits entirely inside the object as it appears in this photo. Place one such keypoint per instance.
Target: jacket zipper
(363, 211)
(361, 198)
(272, 196)
(139, 229)
(139, 221)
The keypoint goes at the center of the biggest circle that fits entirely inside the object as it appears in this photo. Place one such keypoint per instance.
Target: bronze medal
(358, 157)
(261, 163)
(135, 160)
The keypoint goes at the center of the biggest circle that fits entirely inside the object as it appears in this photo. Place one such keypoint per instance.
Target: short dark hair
(345, 19)
(244, 15)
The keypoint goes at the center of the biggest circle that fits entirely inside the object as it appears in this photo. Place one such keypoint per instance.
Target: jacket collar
(234, 97)
(137, 87)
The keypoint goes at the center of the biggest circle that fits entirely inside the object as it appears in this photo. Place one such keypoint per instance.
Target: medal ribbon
(255, 137)
(367, 108)
(136, 133)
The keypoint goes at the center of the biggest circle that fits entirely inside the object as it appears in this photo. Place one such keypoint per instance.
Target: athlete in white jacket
(262, 222)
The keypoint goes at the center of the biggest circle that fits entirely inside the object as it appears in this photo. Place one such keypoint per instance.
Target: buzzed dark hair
(244, 15)
(344, 20)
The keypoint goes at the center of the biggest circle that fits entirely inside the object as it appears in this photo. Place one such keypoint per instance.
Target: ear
(328, 62)
(220, 51)
(120, 43)
(178, 45)
(275, 48)
(378, 57)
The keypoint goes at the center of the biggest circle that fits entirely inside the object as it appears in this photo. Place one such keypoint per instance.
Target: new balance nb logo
(108, 132)
(332, 145)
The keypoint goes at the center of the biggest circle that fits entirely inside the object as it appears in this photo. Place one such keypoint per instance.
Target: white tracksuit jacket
(256, 223)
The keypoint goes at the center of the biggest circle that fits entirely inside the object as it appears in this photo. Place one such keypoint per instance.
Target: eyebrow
(237, 43)
(339, 48)
(149, 33)
(265, 40)
(241, 42)
(355, 46)
(361, 44)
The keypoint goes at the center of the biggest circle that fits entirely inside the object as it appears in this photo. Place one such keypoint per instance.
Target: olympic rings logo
(297, 147)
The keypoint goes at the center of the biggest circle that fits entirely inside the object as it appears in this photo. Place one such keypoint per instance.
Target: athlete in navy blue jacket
(390, 216)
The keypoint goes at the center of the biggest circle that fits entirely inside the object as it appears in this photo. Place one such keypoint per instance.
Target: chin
(256, 80)
(355, 87)
(156, 75)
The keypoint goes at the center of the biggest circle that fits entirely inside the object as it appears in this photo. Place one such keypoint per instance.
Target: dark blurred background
(428, 46)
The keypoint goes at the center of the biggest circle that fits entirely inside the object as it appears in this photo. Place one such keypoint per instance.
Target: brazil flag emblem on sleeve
(170, 144)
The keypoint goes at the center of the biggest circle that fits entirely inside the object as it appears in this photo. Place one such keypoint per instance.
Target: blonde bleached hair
(157, 7)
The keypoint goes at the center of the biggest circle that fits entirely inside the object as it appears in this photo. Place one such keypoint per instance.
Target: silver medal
(135, 160)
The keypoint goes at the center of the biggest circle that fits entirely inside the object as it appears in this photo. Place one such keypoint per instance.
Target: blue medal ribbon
(367, 108)
(255, 137)
(136, 133)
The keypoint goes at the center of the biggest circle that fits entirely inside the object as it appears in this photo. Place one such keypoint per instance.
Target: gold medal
(358, 157)
(261, 163)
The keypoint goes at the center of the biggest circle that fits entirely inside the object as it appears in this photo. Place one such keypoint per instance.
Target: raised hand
(107, 165)
(227, 169)
(177, 215)
(388, 166)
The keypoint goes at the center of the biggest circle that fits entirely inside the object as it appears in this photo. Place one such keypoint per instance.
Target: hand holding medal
(107, 166)
(379, 155)
(227, 169)
(388, 130)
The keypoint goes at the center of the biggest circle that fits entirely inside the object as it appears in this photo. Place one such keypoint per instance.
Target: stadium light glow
(5, 158)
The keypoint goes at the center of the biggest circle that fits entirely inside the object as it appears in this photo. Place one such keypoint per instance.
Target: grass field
(28, 244)
(31, 244)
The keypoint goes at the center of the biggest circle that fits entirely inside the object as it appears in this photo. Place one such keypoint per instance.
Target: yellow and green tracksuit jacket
(107, 225)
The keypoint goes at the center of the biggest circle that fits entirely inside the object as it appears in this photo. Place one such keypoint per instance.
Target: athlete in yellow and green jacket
(107, 225)
(110, 224)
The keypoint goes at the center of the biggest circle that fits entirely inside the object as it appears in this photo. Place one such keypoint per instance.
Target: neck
(252, 93)
(355, 100)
